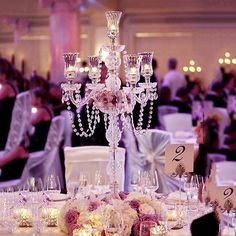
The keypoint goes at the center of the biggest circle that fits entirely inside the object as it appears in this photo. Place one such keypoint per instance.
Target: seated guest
(228, 84)
(194, 91)
(164, 98)
(217, 95)
(230, 149)
(207, 225)
(8, 94)
(207, 139)
(181, 101)
(12, 164)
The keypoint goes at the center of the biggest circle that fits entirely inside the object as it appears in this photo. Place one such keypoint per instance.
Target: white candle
(70, 69)
(51, 215)
(113, 27)
(23, 216)
(146, 67)
(132, 71)
(94, 69)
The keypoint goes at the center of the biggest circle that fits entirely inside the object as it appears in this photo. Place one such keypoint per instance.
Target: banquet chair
(225, 173)
(164, 110)
(20, 121)
(151, 155)
(68, 127)
(90, 159)
(46, 162)
(213, 158)
(223, 123)
(178, 122)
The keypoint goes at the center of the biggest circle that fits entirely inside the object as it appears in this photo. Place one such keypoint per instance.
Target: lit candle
(51, 215)
(132, 71)
(23, 216)
(94, 69)
(70, 69)
(113, 28)
(146, 67)
(172, 215)
(159, 230)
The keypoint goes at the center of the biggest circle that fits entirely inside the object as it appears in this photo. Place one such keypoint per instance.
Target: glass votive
(51, 216)
(159, 230)
(23, 216)
(85, 231)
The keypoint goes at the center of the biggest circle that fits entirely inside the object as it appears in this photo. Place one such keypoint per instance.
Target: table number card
(179, 158)
(225, 196)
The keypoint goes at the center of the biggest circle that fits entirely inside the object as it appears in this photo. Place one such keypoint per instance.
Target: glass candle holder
(94, 68)
(51, 216)
(71, 61)
(113, 20)
(132, 67)
(23, 216)
(146, 65)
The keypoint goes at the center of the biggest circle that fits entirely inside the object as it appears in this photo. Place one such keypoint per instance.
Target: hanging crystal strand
(105, 121)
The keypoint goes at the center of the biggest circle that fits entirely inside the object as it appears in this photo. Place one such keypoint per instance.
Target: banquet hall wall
(192, 32)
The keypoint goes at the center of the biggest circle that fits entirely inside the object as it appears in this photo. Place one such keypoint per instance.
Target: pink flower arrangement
(133, 207)
(113, 101)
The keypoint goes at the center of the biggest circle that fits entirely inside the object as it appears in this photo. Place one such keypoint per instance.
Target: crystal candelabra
(110, 99)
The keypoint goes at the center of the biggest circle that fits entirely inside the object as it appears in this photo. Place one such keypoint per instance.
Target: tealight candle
(23, 216)
(94, 69)
(146, 67)
(70, 69)
(171, 215)
(113, 27)
(132, 71)
(159, 230)
(51, 215)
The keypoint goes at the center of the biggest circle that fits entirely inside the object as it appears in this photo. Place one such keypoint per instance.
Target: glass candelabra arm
(71, 92)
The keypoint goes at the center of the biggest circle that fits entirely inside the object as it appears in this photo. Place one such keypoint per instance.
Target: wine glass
(135, 180)
(52, 184)
(152, 183)
(145, 228)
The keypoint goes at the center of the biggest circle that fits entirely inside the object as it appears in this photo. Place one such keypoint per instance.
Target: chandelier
(111, 100)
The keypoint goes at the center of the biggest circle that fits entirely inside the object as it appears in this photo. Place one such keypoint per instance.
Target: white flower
(146, 209)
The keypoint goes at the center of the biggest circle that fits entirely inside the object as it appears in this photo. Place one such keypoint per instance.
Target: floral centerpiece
(93, 213)
(114, 101)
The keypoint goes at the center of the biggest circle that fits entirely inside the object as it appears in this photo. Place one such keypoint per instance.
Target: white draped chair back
(68, 128)
(178, 122)
(20, 121)
(225, 173)
(152, 147)
(89, 159)
(42, 163)
(165, 110)
(224, 121)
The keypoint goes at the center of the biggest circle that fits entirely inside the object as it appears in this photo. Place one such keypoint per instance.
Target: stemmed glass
(52, 185)
(152, 183)
(145, 228)
(135, 180)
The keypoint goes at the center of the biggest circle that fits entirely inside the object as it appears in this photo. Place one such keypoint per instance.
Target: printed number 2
(228, 192)
(179, 150)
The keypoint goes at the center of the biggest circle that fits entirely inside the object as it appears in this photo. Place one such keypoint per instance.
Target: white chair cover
(89, 159)
(224, 121)
(225, 172)
(20, 120)
(68, 128)
(178, 122)
(42, 163)
(164, 110)
(152, 146)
